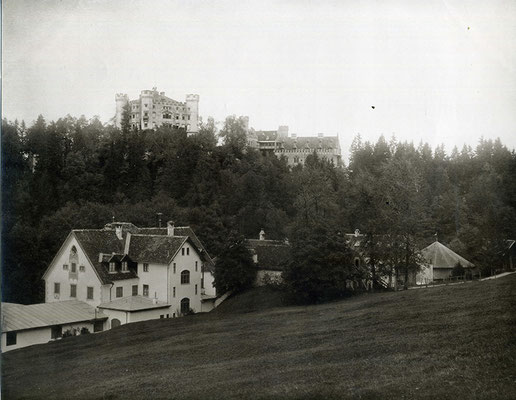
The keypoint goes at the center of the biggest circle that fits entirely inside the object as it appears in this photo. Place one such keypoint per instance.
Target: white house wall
(156, 279)
(41, 335)
(82, 279)
(149, 314)
(122, 316)
(186, 262)
(127, 287)
(209, 287)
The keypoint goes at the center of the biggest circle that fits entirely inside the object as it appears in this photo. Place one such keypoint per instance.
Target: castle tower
(192, 104)
(147, 114)
(121, 100)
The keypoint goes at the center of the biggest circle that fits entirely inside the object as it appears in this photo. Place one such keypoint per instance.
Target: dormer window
(112, 267)
(124, 267)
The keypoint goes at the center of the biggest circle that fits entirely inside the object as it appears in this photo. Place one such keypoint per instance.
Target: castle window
(195, 289)
(82, 268)
(183, 251)
(174, 268)
(196, 266)
(145, 267)
(177, 116)
(185, 277)
(174, 292)
(135, 290)
(74, 268)
(112, 267)
(57, 288)
(183, 117)
(65, 267)
(188, 251)
(73, 290)
(189, 118)
(124, 267)
(89, 293)
(146, 105)
(146, 290)
(120, 291)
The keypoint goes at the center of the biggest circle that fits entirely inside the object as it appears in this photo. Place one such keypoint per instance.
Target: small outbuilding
(270, 258)
(25, 325)
(440, 261)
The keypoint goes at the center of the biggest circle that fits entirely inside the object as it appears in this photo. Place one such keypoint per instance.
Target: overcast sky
(437, 71)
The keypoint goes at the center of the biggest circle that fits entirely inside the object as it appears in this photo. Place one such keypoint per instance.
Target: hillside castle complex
(153, 109)
(294, 148)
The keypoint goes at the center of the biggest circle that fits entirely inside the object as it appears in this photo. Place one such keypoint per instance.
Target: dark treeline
(78, 173)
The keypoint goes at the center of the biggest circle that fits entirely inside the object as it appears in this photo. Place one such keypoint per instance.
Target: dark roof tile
(271, 254)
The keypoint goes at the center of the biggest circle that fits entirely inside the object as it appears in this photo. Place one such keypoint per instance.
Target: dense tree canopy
(78, 173)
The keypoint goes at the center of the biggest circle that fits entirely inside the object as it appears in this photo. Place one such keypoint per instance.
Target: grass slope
(455, 342)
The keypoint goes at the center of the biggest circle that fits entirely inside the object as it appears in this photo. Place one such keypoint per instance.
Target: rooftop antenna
(159, 219)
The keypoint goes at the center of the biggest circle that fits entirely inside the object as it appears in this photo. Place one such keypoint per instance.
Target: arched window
(73, 259)
(185, 277)
(115, 322)
(185, 305)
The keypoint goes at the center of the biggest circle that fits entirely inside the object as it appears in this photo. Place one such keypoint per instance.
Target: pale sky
(436, 71)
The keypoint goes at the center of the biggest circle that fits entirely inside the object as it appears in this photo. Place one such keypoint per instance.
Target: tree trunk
(407, 247)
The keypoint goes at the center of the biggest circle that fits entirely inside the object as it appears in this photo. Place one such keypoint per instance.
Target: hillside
(455, 342)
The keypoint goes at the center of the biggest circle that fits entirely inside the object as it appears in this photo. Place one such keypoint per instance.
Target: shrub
(458, 270)
(234, 269)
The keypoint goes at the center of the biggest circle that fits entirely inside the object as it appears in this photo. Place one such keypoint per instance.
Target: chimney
(170, 228)
(118, 231)
(262, 235)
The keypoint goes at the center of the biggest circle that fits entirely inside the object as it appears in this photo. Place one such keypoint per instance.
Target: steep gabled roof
(96, 241)
(271, 254)
(157, 249)
(17, 317)
(183, 231)
(150, 245)
(440, 256)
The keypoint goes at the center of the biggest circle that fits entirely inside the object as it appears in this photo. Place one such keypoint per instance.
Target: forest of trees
(78, 173)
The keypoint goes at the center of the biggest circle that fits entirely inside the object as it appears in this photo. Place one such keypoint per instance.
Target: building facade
(153, 109)
(26, 325)
(295, 149)
(133, 274)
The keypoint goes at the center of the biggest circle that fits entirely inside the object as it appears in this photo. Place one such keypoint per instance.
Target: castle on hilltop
(295, 148)
(153, 109)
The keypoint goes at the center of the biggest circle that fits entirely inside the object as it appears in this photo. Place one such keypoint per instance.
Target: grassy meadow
(453, 342)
